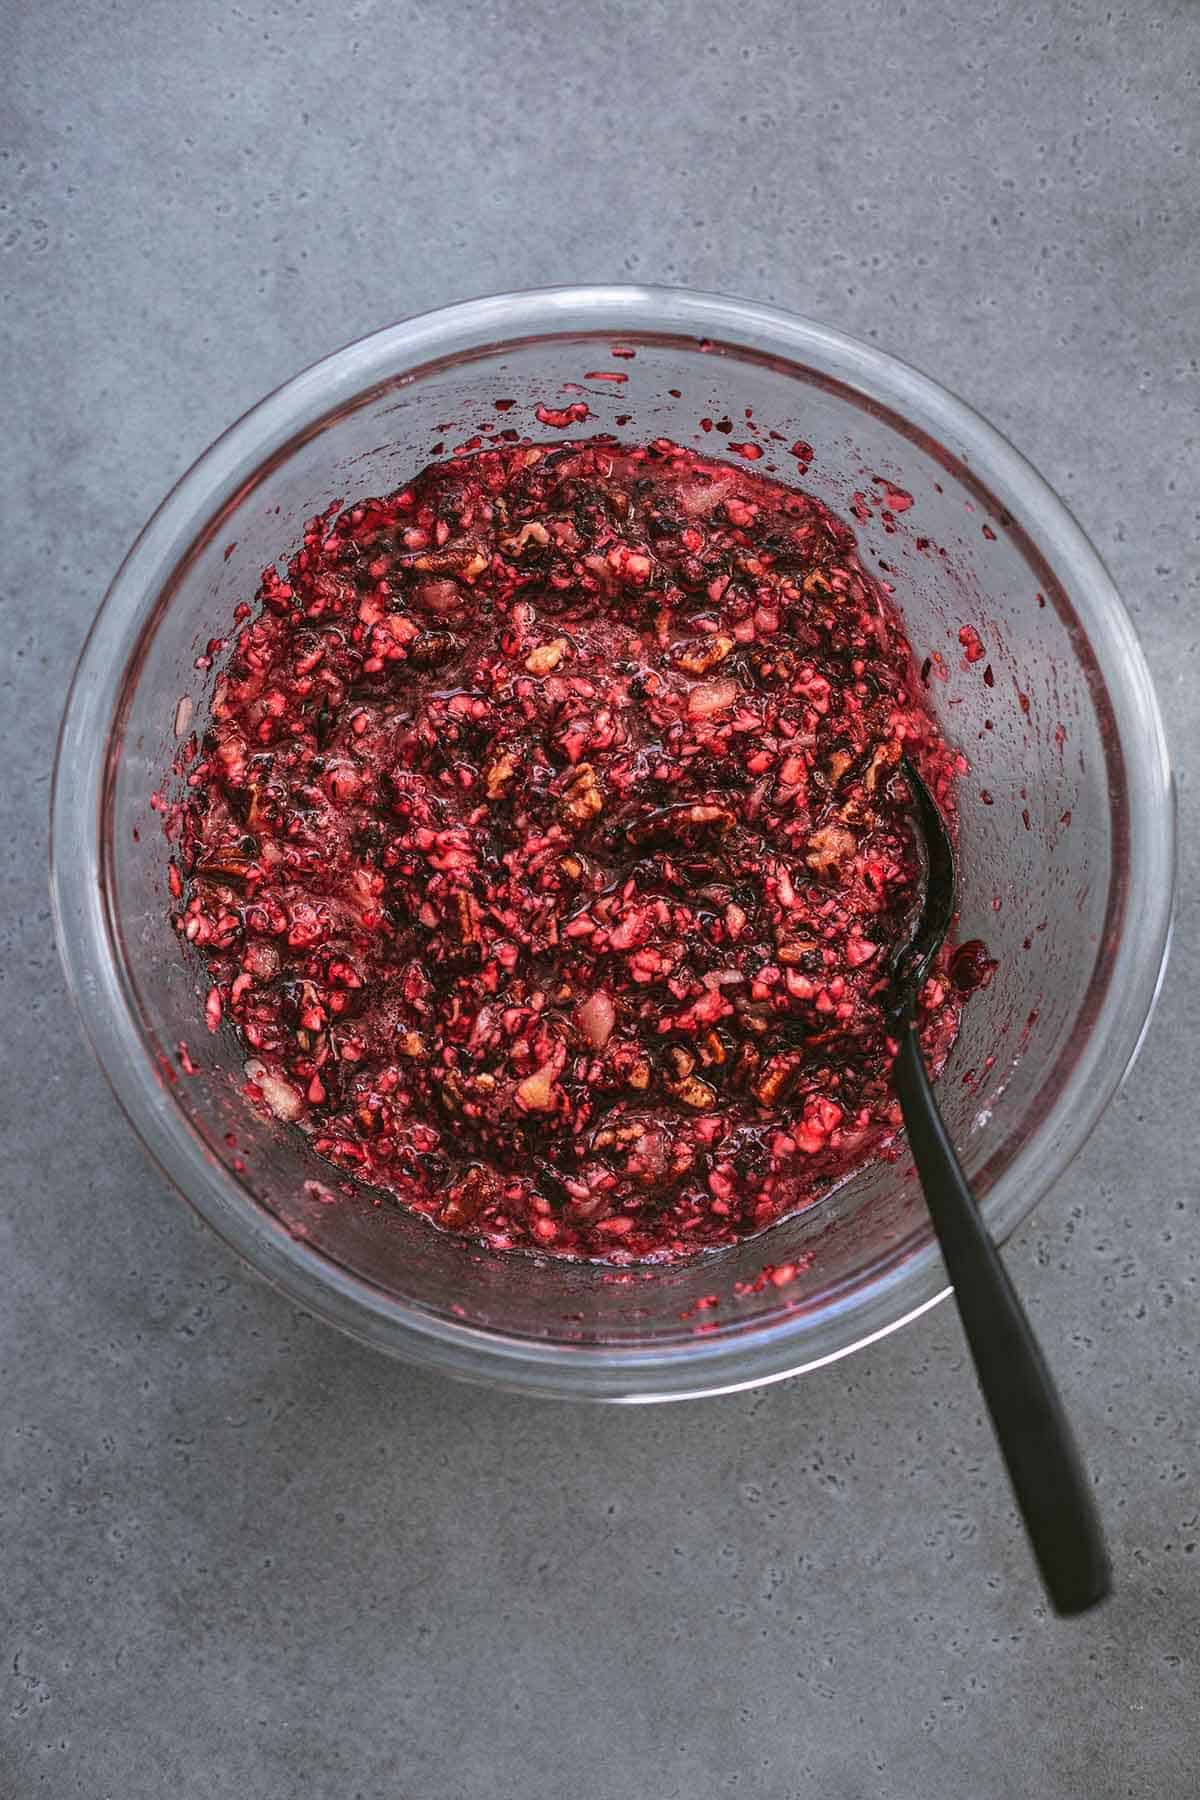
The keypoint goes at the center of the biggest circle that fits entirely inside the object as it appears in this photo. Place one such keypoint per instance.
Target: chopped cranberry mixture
(547, 848)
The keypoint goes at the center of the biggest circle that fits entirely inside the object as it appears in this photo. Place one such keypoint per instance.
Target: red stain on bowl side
(896, 499)
(560, 417)
(972, 643)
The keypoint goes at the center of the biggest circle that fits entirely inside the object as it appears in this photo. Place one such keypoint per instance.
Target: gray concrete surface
(244, 1557)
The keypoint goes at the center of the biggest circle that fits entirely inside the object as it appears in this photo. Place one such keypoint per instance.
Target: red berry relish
(547, 847)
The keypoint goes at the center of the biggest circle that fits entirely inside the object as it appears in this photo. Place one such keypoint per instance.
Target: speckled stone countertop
(244, 1556)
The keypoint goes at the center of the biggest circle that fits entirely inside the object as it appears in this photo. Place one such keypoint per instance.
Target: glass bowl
(1066, 827)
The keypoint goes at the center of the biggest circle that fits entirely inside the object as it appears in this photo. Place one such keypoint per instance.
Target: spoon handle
(1044, 1465)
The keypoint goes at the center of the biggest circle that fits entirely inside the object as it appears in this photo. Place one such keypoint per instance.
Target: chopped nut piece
(499, 775)
(467, 1198)
(451, 1091)
(227, 865)
(680, 822)
(700, 658)
(886, 757)
(582, 798)
(546, 656)
(829, 847)
(466, 910)
(774, 1078)
(533, 532)
(695, 1093)
(536, 1092)
(618, 1135)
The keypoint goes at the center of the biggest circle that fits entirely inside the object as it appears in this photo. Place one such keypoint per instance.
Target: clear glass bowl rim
(88, 943)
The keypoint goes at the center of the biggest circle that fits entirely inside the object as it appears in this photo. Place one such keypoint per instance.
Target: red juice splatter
(560, 417)
(972, 644)
(971, 967)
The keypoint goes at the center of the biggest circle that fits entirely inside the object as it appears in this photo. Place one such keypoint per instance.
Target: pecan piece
(698, 659)
(829, 847)
(546, 656)
(499, 775)
(582, 798)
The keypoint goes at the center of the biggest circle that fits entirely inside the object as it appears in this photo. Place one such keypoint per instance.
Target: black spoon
(1044, 1465)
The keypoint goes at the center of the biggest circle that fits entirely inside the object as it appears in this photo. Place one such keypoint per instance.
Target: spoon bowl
(913, 959)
